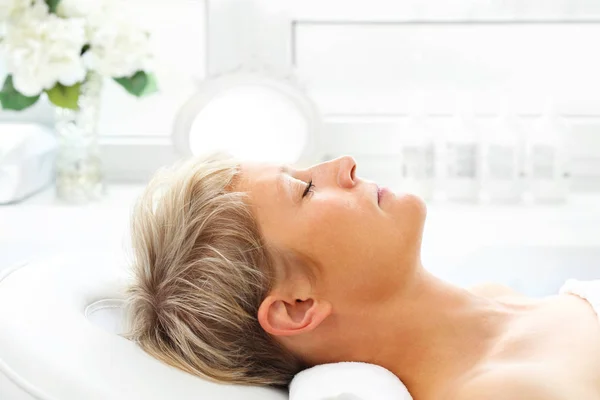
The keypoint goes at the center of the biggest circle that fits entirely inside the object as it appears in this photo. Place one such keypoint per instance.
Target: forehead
(262, 184)
(253, 173)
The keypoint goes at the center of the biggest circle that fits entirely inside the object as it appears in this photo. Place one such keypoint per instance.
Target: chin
(411, 216)
(414, 202)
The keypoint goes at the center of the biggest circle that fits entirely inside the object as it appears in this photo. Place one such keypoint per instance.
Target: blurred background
(488, 109)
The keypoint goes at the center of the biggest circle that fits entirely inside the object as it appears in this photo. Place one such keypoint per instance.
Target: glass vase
(79, 176)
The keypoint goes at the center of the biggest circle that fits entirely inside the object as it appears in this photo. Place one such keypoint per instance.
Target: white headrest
(50, 350)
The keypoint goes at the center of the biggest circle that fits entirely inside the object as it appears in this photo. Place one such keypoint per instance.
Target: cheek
(346, 239)
(372, 256)
(339, 220)
(333, 228)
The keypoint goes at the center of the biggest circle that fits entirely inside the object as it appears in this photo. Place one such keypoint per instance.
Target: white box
(27, 154)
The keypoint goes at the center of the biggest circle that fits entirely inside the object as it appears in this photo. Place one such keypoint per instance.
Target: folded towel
(587, 290)
(347, 381)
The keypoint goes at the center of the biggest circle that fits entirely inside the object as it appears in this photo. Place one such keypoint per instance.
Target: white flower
(42, 49)
(118, 48)
(12, 8)
(80, 8)
(6, 9)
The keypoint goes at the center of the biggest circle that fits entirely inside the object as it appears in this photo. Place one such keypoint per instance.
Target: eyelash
(307, 190)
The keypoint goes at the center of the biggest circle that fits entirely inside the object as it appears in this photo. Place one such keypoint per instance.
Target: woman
(247, 273)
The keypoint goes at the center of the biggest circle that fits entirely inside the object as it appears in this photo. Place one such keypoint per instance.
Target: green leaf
(52, 5)
(140, 84)
(84, 49)
(13, 100)
(152, 86)
(65, 96)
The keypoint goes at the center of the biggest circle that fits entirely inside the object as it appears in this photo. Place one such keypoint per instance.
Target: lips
(382, 192)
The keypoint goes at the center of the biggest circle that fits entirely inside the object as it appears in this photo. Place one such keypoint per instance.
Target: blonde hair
(201, 270)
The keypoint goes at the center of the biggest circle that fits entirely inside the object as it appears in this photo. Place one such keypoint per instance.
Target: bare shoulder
(506, 385)
(492, 290)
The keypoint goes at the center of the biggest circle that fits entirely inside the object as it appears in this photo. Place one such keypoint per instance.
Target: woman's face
(360, 242)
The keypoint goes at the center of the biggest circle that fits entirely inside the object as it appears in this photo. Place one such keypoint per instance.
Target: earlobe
(281, 317)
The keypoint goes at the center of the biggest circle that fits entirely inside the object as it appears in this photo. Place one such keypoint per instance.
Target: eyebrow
(283, 184)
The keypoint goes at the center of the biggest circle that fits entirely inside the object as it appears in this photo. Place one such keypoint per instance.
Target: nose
(346, 169)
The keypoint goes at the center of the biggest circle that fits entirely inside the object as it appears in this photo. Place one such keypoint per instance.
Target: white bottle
(547, 174)
(501, 170)
(417, 152)
(460, 152)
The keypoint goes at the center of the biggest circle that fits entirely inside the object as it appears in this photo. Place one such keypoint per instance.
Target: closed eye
(309, 186)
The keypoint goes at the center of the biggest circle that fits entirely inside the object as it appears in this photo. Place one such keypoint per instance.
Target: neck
(431, 332)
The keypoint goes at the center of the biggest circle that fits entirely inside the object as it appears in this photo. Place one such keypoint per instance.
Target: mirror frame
(213, 87)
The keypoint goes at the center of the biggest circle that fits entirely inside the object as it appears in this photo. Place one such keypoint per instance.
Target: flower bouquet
(63, 49)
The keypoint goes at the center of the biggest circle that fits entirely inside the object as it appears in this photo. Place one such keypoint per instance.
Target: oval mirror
(251, 117)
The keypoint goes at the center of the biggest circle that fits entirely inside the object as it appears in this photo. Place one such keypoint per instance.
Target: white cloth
(588, 290)
(347, 381)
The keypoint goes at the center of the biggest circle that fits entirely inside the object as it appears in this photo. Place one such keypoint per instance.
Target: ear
(288, 317)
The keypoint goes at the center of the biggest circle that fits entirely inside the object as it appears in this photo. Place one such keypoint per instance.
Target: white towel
(347, 381)
(587, 290)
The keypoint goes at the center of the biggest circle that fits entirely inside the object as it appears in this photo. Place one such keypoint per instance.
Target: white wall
(178, 28)
(350, 68)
